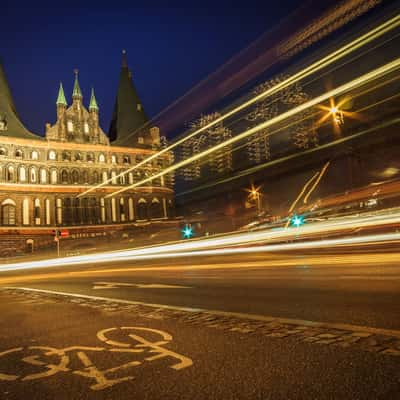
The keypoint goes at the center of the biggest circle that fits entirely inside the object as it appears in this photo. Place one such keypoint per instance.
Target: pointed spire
(61, 101)
(124, 60)
(76, 93)
(128, 116)
(93, 103)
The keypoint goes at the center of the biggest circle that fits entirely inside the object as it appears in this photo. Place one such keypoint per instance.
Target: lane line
(254, 317)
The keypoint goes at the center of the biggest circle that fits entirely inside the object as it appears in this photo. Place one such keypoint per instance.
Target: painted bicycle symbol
(132, 341)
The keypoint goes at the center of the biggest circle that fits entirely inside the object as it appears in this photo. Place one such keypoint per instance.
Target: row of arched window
(85, 211)
(32, 174)
(66, 155)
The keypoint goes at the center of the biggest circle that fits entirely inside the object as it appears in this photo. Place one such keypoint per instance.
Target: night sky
(171, 46)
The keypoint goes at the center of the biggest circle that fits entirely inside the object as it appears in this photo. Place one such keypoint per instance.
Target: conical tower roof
(61, 100)
(128, 114)
(76, 93)
(8, 113)
(93, 103)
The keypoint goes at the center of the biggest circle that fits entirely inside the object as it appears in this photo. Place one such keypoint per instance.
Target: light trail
(271, 248)
(318, 65)
(220, 243)
(377, 73)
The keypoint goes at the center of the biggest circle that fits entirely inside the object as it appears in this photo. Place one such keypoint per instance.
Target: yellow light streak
(275, 238)
(379, 72)
(329, 59)
(316, 182)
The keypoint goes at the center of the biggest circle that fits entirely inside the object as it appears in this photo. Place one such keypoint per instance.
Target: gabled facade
(44, 181)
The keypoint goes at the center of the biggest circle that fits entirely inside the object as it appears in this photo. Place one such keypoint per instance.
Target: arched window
(90, 157)
(114, 159)
(52, 155)
(25, 212)
(10, 174)
(64, 176)
(34, 155)
(113, 177)
(102, 210)
(36, 212)
(43, 176)
(130, 178)
(85, 177)
(18, 154)
(47, 211)
(102, 158)
(95, 177)
(66, 156)
(113, 210)
(22, 174)
(54, 176)
(156, 208)
(122, 179)
(142, 209)
(131, 209)
(8, 212)
(70, 126)
(86, 127)
(32, 175)
(127, 159)
(59, 212)
(78, 157)
(122, 209)
(75, 176)
(105, 176)
(3, 152)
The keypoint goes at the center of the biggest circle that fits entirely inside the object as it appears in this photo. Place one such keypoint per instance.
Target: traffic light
(297, 220)
(187, 232)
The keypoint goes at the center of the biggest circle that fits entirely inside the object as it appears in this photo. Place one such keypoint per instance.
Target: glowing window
(70, 126)
(52, 155)
(34, 155)
(86, 127)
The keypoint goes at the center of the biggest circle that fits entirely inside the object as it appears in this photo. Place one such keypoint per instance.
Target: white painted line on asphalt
(263, 318)
(116, 285)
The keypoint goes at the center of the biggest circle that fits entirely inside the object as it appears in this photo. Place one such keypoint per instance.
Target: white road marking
(115, 285)
(152, 350)
(255, 317)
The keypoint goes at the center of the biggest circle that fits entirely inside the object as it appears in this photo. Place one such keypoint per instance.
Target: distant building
(41, 177)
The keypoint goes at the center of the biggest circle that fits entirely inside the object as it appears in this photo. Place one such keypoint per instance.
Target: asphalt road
(322, 325)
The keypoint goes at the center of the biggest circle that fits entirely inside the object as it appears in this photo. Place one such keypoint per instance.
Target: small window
(34, 155)
(102, 158)
(86, 128)
(66, 156)
(3, 152)
(114, 159)
(18, 154)
(78, 157)
(90, 157)
(52, 155)
(140, 140)
(70, 126)
(33, 175)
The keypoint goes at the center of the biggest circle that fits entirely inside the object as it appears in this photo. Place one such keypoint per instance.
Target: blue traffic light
(297, 220)
(187, 232)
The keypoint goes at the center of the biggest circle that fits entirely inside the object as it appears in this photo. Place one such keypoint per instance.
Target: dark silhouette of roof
(129, 114)
(10, 124)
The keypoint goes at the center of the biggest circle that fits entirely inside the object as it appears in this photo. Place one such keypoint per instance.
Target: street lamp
(256, 195)
(337, 115)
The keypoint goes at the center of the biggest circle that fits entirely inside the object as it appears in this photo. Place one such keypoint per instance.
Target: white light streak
(315, 67)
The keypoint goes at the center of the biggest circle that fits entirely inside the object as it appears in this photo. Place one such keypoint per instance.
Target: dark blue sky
(171, 46)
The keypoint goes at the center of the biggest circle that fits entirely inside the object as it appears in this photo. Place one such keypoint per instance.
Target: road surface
(293, 325)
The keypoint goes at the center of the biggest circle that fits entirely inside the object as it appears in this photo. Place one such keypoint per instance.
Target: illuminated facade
(41, 177)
